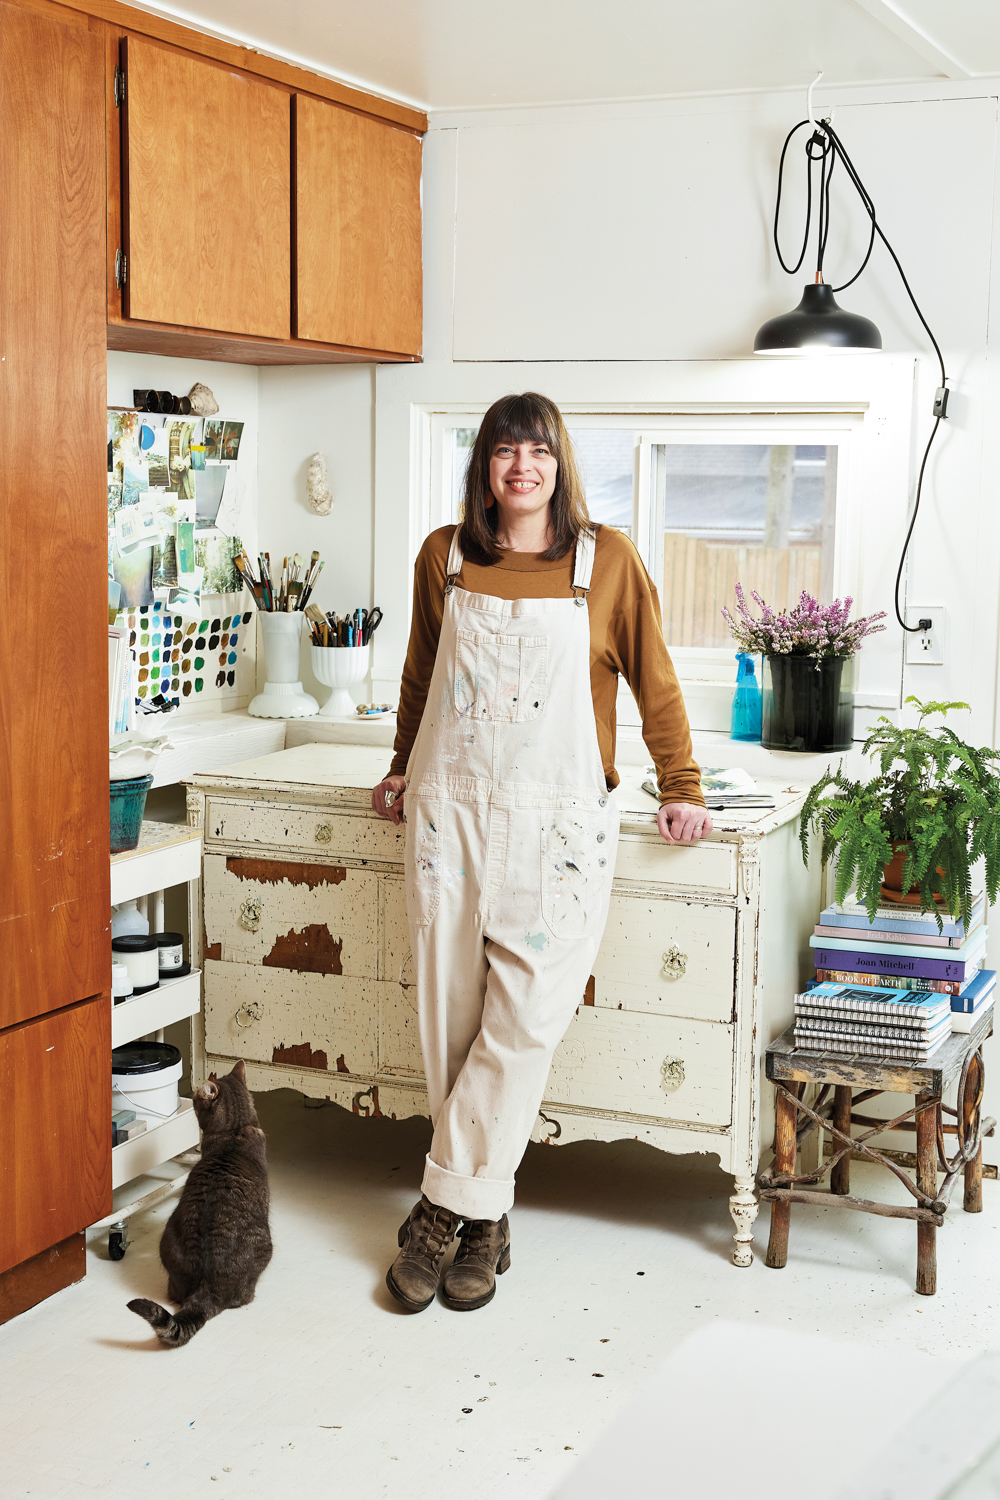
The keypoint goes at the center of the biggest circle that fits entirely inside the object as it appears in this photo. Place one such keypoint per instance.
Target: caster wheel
(118, 1243)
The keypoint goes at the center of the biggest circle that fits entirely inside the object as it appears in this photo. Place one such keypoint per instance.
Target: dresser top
(345, 774)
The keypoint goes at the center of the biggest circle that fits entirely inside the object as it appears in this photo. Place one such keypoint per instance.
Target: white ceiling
(442, 54)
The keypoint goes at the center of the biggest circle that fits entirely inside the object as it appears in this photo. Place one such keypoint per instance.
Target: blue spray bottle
(746, 720)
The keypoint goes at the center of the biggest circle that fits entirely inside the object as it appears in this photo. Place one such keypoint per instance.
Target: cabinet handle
(671, 1073)
(251, 1010)
(324, 833)
(674, 963)
(250, 914)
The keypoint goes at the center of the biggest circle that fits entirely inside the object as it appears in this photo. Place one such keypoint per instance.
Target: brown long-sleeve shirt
(625, 637)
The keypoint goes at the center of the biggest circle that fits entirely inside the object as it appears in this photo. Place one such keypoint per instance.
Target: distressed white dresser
(308, 975)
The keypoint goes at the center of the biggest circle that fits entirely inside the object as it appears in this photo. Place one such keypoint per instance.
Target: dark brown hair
(529, 418)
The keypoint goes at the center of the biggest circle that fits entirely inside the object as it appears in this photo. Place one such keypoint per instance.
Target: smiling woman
(524, 458)
(524, 617)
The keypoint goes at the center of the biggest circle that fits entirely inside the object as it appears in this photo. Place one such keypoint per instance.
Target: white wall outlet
(925, 648)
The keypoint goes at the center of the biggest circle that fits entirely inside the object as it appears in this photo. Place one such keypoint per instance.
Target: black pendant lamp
(819, 325)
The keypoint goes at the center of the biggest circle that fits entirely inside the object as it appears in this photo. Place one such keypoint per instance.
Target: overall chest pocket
(500, 678)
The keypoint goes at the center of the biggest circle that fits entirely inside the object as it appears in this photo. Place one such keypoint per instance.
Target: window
(709, 500)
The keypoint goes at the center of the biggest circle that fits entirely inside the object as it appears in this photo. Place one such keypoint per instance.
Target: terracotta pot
(892, 880)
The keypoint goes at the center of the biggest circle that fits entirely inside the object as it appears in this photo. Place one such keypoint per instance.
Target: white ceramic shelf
(174, 1000)
(158, 1143)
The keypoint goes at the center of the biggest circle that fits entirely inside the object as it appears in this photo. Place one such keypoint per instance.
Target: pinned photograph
(216, 554)
(135, 481)
(123, 436)
(134, 571)
(232, 433)
(180, 476)
(157, 460)
(209, 488)
(213, 438)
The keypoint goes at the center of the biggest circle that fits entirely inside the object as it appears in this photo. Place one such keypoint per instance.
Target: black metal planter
(808, 706)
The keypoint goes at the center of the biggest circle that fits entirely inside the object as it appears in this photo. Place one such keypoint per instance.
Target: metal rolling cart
(167, 854)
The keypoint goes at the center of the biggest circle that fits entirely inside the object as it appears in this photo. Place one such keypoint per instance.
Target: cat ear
(213, 1077)
(210, 1090)
(240, 1071)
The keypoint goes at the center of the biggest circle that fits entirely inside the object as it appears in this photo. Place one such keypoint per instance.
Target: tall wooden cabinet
(55, 1004)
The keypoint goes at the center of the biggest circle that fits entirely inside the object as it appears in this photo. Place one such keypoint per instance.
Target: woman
(523, 617)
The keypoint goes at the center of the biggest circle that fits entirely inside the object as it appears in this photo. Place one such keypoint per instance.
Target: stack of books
(922, 983)
(844, 1018)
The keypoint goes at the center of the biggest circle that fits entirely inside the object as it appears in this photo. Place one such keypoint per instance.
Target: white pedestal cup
(338, 667)
(283, 696)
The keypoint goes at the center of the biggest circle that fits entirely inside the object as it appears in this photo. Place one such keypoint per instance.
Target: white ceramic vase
(283, 696)
(338, 667)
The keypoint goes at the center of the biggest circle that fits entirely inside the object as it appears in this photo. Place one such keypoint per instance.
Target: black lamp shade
(817, 326)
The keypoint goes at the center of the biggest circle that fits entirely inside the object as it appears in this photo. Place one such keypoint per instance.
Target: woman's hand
(682, 822)
(395, 786)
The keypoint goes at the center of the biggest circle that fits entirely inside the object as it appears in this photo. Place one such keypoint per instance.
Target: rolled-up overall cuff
(472, 1197)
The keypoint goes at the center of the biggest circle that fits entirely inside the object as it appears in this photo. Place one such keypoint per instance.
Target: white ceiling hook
(809, 98)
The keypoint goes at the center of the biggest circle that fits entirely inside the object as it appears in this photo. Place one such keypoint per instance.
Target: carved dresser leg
(743, 1206)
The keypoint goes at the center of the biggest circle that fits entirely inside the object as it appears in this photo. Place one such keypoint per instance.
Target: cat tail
(175, 1329)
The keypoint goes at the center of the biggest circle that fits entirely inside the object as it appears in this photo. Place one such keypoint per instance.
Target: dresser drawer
(319, 918)
(645, 1065)
(306, 830)
(322, 1021)
(648, 860)
(671, 957)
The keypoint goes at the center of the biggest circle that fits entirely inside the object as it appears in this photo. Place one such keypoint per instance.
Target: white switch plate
(925, 648)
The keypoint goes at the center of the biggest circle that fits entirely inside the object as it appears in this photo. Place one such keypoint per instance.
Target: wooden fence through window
(699, 577)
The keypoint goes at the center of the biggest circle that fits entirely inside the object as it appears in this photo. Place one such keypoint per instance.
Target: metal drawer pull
(674, 963)
(671, 1073)
(252, 1010)
(324, 833)
(250, 914)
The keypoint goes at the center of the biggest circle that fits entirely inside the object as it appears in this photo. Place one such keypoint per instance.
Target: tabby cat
(217, 1241)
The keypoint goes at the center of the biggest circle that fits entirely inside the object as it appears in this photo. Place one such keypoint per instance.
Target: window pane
(606, 458)
(758, 514)
(607, 462)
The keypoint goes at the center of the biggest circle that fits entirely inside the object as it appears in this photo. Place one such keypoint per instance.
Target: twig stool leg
(972, 1092)
(840, 1177)
(784, 1161)
(927, 1183)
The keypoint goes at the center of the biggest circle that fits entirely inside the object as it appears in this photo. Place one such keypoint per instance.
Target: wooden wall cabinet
(256, 213)
(206, 194)
(357, 229)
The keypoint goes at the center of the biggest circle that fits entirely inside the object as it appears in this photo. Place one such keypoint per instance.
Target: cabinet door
(55, 876)
(357, 230)
(205, 195)
(55, 1128)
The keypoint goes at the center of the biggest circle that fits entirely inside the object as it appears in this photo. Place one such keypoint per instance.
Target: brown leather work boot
(483, 1255)
(424, 1237)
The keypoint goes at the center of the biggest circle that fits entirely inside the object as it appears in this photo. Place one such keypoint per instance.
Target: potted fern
(914, 831)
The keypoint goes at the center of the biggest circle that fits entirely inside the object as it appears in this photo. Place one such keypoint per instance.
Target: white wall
(641, 233)
(327, 409)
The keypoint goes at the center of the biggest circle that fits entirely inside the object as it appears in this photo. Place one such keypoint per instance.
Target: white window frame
(867, 400)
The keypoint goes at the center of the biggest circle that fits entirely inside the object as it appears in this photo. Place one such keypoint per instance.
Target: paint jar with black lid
(140, 955)
(171, 946)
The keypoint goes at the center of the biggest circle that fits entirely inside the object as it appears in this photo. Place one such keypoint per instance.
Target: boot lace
(432, 1233)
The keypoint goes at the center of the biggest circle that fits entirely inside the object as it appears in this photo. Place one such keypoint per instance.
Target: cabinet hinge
(119, 86)
(121, 268)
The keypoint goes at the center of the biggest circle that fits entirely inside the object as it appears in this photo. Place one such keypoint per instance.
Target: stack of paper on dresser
(905, 1024)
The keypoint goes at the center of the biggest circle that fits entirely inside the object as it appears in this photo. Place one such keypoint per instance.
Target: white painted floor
(322, 1388)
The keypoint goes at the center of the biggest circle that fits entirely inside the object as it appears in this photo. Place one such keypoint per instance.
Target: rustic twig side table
(854, 1079)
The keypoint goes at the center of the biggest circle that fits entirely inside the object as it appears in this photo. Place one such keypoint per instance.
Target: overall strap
(455, 560)
(584, 565)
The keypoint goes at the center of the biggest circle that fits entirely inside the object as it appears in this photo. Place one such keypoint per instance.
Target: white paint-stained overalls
(511, 836)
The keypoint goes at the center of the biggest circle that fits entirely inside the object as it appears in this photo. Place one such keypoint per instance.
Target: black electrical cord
(824, 146)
